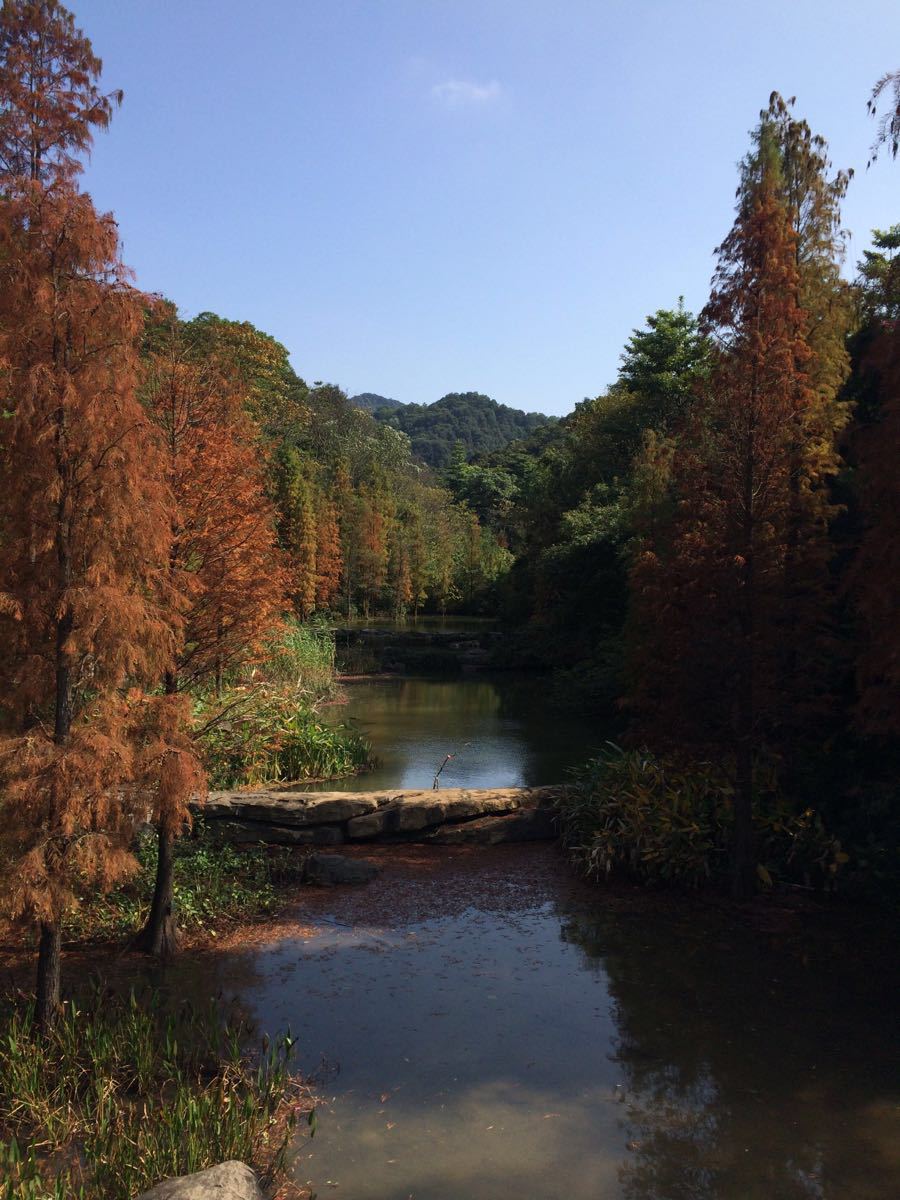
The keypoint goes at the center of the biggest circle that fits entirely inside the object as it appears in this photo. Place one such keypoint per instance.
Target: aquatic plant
(262, 734)
(124, 1092)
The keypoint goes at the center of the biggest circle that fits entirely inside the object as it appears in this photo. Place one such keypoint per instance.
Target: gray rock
(244, 833)
(328, 870)
(227, 1181)
(288, 808)
(527, 825)
(412, 811)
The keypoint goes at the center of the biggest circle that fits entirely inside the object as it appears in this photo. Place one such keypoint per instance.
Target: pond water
(492, 1027)
(485, 1025)
(499, 730)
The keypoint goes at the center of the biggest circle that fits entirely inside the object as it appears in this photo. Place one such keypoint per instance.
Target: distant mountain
(478, 422)
(369, 401)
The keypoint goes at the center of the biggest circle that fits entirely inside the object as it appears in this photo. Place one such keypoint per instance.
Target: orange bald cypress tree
(223, 560)
(710, 619)
(329, 559)
(50, 103)
(85, 539)
(225, 551)
(83, 504)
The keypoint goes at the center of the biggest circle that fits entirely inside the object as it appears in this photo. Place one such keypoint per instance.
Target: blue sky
(423, 196)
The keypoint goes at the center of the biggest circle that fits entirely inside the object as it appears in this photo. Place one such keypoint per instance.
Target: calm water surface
(486, 1026)
(492, 1027)
(499, 729)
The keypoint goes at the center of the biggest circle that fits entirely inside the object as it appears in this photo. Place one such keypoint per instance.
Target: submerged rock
(328, 870)
(227, 1181)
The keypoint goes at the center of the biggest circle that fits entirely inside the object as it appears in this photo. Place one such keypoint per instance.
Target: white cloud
(465, 93)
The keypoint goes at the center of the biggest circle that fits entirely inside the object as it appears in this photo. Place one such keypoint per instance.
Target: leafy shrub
(262, 734)
(121, 1094)
(632, 813)
(215, 884)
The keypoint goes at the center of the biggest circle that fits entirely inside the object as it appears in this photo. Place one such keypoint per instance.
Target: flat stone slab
(330, 870)
(286, 817)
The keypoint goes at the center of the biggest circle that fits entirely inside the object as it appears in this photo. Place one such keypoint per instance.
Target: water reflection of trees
(750, 1070)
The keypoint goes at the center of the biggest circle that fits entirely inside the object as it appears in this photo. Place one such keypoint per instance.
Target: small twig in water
(435, 785)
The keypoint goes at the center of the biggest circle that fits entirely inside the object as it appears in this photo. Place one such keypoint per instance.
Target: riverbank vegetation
(124, 1092)
(217, 887)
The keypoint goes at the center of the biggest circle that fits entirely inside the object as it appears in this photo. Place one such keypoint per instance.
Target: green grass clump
(303, 659)
(123, 1093)
(265, 726)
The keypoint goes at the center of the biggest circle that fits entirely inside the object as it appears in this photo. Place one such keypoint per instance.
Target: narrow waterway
(487, 1026)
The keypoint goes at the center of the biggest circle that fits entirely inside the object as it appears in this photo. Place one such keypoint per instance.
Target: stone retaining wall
(450, 816)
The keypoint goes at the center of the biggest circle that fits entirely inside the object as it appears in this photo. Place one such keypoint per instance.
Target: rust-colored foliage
(711, 610)
(50, 104)
(329, 559)
(224, 556)
(83, 508)
(84, 505)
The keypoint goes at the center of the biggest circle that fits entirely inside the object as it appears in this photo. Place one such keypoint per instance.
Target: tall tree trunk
(160, 935)
(48, 977)
(743, 866)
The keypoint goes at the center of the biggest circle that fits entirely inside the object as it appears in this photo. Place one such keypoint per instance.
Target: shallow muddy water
(500, 731)
(492, 1027)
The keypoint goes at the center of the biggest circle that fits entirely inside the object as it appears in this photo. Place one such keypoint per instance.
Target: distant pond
(500, 729)
(486, 1026)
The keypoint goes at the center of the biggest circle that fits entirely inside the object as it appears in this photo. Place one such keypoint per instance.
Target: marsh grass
(265, 735)
(629, 812)
(303, 658)
(125, 1092)
(266, 727)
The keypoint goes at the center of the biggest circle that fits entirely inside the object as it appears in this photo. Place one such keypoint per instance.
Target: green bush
(215, 884)
(121, 1094)
(262, 734)
(632, 813)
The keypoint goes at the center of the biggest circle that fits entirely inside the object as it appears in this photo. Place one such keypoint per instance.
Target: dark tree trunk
(743, 866)
(160, 935)
(48, 977)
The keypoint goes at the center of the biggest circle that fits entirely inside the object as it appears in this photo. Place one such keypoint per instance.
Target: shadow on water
(496, 1028)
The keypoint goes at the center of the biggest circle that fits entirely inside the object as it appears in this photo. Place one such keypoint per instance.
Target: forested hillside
(370, 401)
(470, 419)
